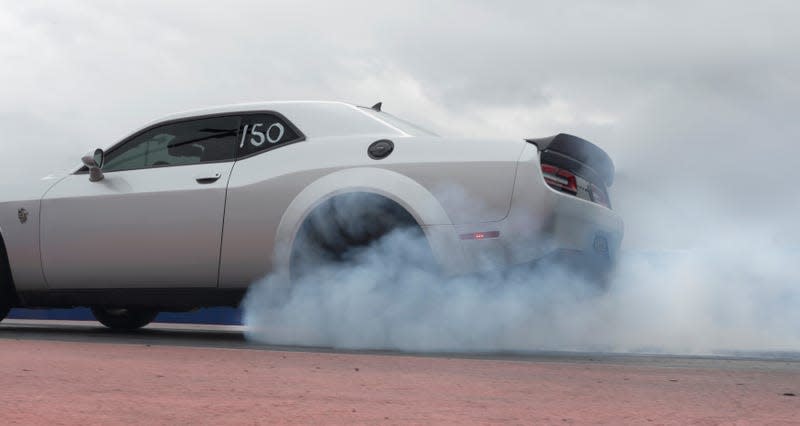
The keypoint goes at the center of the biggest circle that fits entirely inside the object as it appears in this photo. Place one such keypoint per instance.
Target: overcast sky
(697, 98)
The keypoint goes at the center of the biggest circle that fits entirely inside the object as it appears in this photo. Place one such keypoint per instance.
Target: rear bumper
(544, 225)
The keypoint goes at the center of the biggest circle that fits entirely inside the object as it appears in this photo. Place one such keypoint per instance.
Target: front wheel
(4, 308)
(122, 318)
(6, 301)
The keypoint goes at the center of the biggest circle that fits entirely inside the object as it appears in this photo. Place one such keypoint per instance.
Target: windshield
(405, 126)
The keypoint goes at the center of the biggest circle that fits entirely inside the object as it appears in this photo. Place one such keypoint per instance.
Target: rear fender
(412, 196)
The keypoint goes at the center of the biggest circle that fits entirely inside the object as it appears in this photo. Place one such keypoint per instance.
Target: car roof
(247, 106)
(313, 118)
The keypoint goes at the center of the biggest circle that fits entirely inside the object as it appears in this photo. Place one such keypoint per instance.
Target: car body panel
(153, 227)
(270, 194)
(542, 221)
(22, 238)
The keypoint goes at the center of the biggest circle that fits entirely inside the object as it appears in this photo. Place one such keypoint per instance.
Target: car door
(155, 219)
(262, 185)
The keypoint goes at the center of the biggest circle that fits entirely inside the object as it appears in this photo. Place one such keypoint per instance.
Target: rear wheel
(124, 318)
(339, 231)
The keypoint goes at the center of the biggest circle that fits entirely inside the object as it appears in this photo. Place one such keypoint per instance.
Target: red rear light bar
(565, 181)
(560, 179)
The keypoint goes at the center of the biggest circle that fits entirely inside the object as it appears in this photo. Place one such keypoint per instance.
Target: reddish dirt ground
(43, 382)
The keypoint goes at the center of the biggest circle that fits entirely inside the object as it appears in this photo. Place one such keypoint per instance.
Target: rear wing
(578, 155)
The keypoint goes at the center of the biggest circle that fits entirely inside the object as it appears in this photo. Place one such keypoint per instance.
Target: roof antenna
(377, 107)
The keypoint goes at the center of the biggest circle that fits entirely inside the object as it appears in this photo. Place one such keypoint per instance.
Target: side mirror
(94, 162)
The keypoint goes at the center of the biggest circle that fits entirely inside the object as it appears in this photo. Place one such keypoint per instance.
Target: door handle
(204, 180)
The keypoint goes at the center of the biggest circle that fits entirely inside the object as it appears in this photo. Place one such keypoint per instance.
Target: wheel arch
(401, 189)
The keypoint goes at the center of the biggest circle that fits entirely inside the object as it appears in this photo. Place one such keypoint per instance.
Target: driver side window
(187, 142)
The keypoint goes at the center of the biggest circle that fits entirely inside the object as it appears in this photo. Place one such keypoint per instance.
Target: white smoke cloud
(737, 292)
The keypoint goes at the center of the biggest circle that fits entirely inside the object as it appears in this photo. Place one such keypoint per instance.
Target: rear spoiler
(578, 155)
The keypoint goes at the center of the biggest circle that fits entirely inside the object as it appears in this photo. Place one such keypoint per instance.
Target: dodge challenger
(191, 209)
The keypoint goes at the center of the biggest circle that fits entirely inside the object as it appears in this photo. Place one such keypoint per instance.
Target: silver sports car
(191, 209)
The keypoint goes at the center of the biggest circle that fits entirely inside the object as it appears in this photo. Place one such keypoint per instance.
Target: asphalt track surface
(81, 373)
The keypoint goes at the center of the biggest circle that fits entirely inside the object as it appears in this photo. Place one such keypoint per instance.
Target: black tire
(4, 308)
(8, 296)
(338, 230)
(122, 318)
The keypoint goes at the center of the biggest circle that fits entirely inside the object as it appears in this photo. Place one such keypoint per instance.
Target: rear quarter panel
(441, 181)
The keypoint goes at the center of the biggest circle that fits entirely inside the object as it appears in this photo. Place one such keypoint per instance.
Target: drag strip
(232, 337)
(81, 373)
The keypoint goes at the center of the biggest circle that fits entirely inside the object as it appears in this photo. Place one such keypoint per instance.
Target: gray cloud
(696, 101)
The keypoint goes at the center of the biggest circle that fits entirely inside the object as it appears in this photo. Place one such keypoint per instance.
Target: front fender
(21, 238)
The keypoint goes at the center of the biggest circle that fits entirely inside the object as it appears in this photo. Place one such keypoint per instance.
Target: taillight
(560, 179)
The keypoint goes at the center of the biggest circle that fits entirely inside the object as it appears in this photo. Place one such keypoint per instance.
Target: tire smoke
(738, 293)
